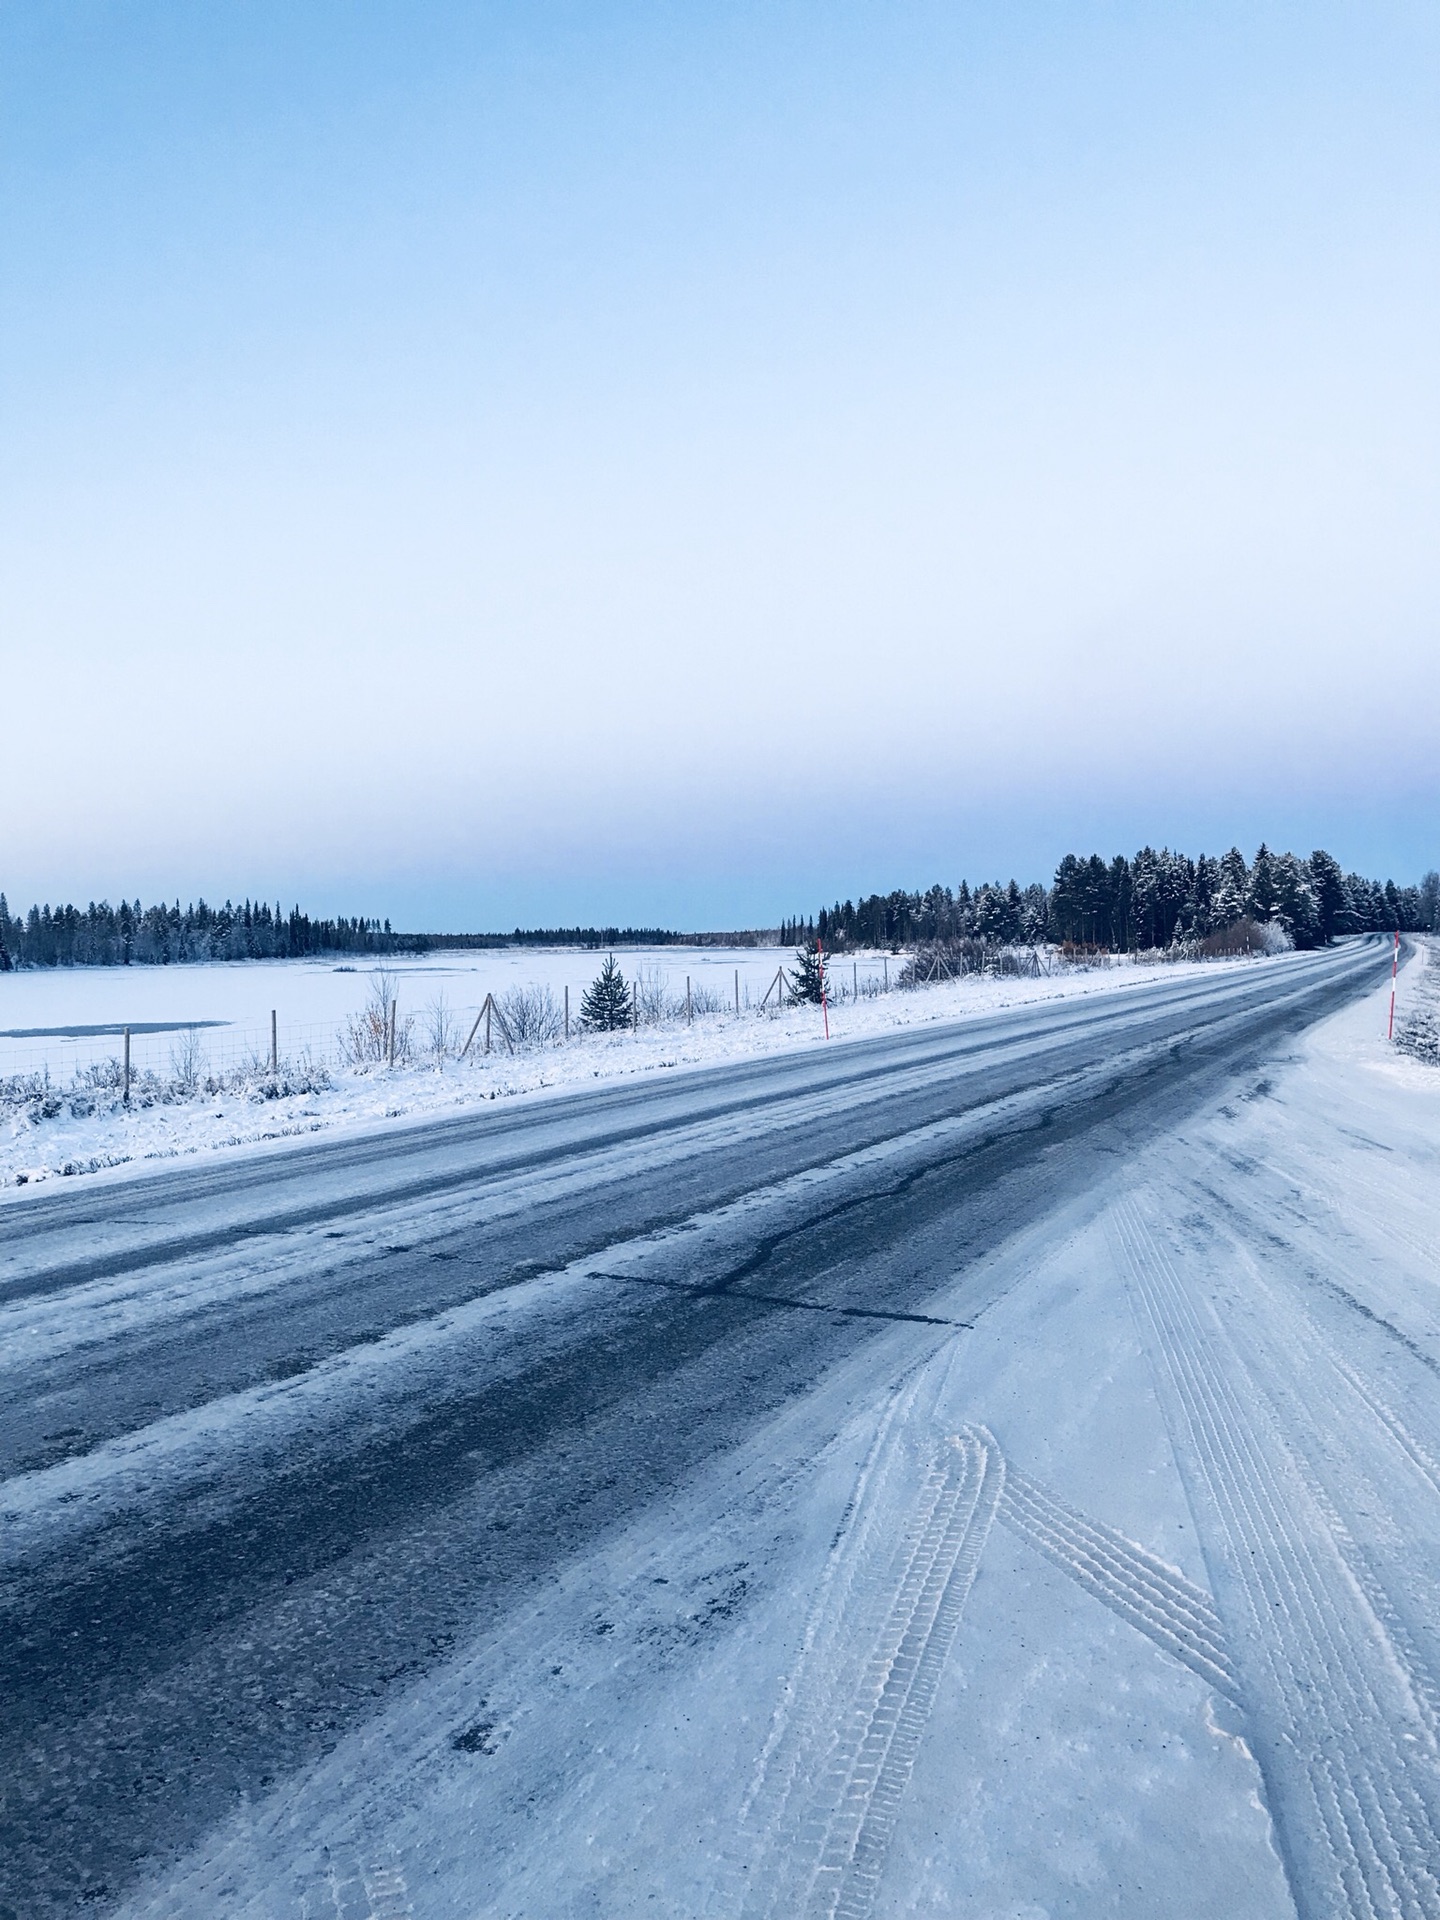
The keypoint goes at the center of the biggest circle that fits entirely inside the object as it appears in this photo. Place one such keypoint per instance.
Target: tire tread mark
(1354, 1814)
(1157, 1600)
(822, 1813)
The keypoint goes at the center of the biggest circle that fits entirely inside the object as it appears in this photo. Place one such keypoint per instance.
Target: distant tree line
(132, 935)
(1152, 900)
(559, 937)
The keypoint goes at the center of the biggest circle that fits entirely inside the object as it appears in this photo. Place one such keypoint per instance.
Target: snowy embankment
(52, 1127)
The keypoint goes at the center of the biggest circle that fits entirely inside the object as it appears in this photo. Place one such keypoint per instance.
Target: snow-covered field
(62, 1017)
(52, 1133)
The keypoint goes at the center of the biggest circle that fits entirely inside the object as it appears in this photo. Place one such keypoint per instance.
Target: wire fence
(179, 1060)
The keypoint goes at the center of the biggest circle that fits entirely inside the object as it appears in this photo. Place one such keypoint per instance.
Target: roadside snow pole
(1394, 969)
(824, 1003)
(127, 1066)
(274, 1048)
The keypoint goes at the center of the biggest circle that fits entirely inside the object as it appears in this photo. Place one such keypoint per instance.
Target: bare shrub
(1245, 936)
(953, 959)
(187, 1062)
(1082, 953)
(533, 1016)
(365, 1038)
(440, 1029)
(704, 1000)
(653, 998)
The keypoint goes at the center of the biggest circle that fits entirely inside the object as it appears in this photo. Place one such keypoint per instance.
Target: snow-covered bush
(100, 1087)
(951, 959)
(1417, 1031)
(1246, 936)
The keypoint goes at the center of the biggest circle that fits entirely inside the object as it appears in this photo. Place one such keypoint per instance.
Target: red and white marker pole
(1394, 969)
(824, 1003)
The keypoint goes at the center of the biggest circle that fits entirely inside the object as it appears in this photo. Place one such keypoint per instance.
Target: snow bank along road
(980, 1470)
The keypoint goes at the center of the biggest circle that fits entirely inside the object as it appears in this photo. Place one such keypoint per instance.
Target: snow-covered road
(986, 1470)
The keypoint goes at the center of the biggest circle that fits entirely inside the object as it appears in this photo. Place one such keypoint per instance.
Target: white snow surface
(1203, 1391)
(36, 1146)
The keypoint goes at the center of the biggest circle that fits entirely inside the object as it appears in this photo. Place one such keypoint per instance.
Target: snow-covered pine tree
(1295, 904)
(1146, 904)
(606, 1005)
(1034, 915)
(1200, 909)
(805, 980)
(1262, 895)
(1229, 903)
(1331, 900)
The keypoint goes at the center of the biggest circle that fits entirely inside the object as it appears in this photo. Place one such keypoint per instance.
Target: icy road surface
(990, 1470)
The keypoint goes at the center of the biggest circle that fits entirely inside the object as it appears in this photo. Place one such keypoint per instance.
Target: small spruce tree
(606, 1003)
(806, 983)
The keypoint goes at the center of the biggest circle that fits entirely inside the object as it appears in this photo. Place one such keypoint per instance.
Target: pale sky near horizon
(678, 465)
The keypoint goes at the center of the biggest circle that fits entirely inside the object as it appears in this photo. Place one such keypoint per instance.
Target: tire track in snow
(1311, 1395)
(1178, 1616)
(376, 1891)
(818, 1826)
(1339, 1735)
(820, 1819)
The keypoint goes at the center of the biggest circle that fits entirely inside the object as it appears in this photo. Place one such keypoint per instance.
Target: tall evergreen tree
(1262, 895)
(1331, 901)
(1233, 886)
(1296, 907)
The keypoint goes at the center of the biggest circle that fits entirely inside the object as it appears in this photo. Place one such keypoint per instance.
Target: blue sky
(675, 464)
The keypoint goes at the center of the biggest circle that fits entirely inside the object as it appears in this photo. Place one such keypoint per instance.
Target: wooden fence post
(489, 1003)
(737, 991)
(689, 1005)
(567, 1013)
(473, 1031)
(390, 1046)
(274, 1048)
(127, 1066)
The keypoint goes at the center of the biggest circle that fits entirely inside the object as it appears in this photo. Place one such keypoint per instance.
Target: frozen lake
(65, 1017)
